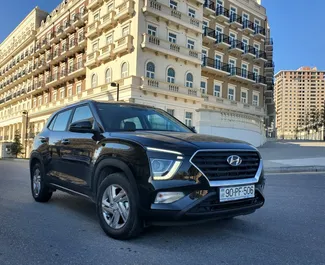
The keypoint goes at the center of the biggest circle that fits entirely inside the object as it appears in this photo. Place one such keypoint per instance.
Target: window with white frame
(217, 90)
(69, 91)
(203, 86)
(188, 118)
(94, 82)
(233, 13)
(255, 99)
(46, 98)
(110, 7)
(256, 73)
(124, 70)
(191, 12)
(231, 93)
(152, 30)
(190, 44)
(189, 80)
(108, 76)
(150, 70)
(54, 96)
(173, 4)
(172, 37)
(171, 75)
(205, 24)
(109, 39)
(62, 93)
(244, 98)
(96, 17)
(125, 31)
(78, 88)
(39, 101)
(95, 46)
(82, 10)
(244, 70)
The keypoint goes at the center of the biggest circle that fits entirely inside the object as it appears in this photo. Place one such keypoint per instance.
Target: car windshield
(131, 118)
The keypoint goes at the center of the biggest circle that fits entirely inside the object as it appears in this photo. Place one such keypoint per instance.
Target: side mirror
(81, 127)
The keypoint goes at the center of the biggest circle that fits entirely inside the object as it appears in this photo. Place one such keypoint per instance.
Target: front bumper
(197, 208)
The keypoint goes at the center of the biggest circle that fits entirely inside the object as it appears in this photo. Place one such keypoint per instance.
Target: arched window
(189, 80)
(124, 70)
(150, 70)
(108, 78)
(93, 80)
(171, 75)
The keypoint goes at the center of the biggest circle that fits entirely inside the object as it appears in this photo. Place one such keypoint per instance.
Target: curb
(295, 169)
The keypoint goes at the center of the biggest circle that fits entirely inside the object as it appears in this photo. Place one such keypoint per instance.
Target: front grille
(214, 164)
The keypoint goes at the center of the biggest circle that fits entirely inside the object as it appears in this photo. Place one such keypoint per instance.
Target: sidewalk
(293, 156)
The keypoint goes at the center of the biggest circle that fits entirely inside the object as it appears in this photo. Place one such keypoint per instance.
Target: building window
(110, 7)
(96, 17)
(205, 24)
(95, 46)
(54, 96)
(125, 31)
(203, 87)
(172, 37)
(191, 12)
(78, 88)
(40, 101)
(124, 70)
(108, 76)
(244, 97)
(244, 70)
(217, 90)
(173, 4)
(152, 30)
(171, 75)
(94, 81)
(171, 111)
(150, 70)
(109, 39)
(69, 92)
(62, 92)
(231, 93)
(189, 80)
(255, 100)
(188, 119)
(190, 44)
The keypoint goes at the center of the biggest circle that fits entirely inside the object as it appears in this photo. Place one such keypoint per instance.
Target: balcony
(209, 8)
(107, 21)
(260, 80)
(259, 32)
(124, 11)
(93, 4)
(222, 14)
(92, 59)
(44, 46)
(106, 53)
(248, 27)
(123, 45)
(213, 66)
(69, 27)
(241, 75)
(61, 33)
(78, 21)
(223, 41)
(260, 56)
(209, 35)
(235, 21)
(249, 52)
(236, 46)
(170, 15)
(76, 70)
(171, 89)
(170, 49)
(82, 41)
(269, 65)
(93, 30)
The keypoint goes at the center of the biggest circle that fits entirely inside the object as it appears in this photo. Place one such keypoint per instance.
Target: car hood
(183, 142)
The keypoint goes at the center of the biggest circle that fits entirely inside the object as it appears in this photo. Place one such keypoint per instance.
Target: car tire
(40, 191)
(119, 220)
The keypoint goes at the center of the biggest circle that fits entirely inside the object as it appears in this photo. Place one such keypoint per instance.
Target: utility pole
(25, 112)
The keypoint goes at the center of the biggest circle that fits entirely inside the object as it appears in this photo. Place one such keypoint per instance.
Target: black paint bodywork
(79, 167)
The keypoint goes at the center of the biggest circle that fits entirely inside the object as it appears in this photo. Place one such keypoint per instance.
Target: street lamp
(25, 112)
(117, 85)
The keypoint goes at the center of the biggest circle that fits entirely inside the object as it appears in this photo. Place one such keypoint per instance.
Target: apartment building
(203, 62)
(297, 94)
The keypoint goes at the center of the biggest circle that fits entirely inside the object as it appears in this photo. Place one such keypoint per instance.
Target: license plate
(237, 193)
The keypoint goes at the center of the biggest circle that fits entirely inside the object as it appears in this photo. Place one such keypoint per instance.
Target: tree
(16, 146)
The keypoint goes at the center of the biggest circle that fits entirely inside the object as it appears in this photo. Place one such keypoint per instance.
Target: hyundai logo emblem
(234, 160)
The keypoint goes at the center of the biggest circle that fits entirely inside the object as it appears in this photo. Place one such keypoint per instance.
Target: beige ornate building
(204, 62)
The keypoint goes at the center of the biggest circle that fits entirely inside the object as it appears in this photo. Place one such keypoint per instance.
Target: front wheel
(117, 207)
(40, 191)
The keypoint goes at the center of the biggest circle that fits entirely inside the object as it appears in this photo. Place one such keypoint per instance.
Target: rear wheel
(40, 191)
(117, 207)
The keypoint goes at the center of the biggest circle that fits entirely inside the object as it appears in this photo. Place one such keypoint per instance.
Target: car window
(158, 122)
(61, 121)
(134, 120)
(82, 113)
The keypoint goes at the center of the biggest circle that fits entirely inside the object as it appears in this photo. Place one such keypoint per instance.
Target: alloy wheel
(115, 206)
(37, 182)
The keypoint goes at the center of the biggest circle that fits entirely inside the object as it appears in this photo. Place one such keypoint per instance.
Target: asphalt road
(289, 229)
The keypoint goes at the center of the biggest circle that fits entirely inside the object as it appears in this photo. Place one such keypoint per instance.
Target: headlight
(163, 169)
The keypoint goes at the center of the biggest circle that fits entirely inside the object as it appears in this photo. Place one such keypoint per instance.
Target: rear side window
(61, 121)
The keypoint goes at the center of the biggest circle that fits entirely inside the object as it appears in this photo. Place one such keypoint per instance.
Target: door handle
(65, 141)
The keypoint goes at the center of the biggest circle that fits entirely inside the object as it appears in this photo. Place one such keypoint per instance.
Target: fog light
(168, 197)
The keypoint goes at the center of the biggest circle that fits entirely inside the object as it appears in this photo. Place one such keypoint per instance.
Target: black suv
(142, 166)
